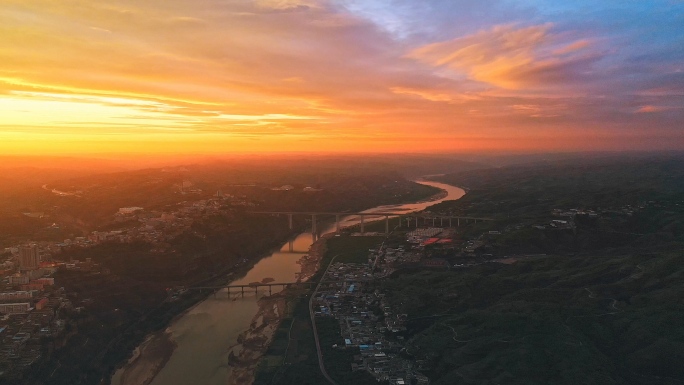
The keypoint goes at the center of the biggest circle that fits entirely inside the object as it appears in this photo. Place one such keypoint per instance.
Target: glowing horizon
(250, 76)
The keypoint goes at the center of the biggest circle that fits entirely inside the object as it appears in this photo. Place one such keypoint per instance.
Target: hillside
(599, 303)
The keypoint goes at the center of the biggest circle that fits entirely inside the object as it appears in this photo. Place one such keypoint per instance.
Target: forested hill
(602, 300)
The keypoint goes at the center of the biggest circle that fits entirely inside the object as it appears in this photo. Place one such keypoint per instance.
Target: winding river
(205, 333)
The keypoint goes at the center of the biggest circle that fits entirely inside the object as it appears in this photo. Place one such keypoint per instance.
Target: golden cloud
(508, 56)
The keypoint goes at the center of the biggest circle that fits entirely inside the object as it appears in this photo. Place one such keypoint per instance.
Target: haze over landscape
(343, 192)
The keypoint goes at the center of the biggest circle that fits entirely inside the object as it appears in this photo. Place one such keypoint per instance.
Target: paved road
(313, 325)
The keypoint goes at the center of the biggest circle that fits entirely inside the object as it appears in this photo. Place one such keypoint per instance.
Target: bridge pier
(449, 221)
(314, 230)
(441, 222)
(290, 220)
(416, 222)
(362, 224)
(433, 222)
(291, 246)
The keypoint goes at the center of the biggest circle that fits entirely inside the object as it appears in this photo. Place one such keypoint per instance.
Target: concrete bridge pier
(314, 230)
(291, 246)
(433, 222)
(416, 222)
(449, 221)
(362, 224)
(290, 220)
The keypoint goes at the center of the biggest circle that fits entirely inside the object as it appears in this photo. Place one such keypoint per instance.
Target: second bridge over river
(253, 286)
(412, 219)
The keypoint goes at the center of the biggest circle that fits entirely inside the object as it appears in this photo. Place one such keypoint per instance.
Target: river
(205, 334)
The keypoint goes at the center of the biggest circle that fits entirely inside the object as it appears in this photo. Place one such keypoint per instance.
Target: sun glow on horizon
(337, 76)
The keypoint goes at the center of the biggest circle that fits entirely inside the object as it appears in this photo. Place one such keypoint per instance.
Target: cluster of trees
(564, 320)
(602, 310)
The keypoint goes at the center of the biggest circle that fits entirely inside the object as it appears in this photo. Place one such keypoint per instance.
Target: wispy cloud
(342, 73)
(513, 57)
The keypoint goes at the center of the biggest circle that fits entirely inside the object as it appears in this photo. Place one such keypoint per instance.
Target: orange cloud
(573, 47)
(259, 75)
(507, 56)
(650, 109)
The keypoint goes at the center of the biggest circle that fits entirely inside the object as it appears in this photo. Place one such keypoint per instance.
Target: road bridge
(411, 218)
(254, 286)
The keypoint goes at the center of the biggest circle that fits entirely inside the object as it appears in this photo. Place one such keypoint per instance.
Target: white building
(129, 210)
(15, 308)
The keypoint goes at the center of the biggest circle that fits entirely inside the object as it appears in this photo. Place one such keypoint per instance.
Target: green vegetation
(640, 205)
(604, 306)
(607, 311)
(294, 337)
(127, 301)
(562, 320)
(350, 249)
(338, 361)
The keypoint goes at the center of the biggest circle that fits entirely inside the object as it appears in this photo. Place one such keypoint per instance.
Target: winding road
(313, 325)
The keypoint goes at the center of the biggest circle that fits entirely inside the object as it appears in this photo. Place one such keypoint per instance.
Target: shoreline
(148, 359)
(440, 195)
(252, 344)
(244, 356)
(139, 355)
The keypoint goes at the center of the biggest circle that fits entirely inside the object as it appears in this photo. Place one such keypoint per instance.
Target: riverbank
(440, 195)
(146, 363)
(246, 354)
(310, 263)
(148, 359)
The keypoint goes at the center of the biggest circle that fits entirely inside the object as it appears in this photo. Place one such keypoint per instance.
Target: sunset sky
(212, 76)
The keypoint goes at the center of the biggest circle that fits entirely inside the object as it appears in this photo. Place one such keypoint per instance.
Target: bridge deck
(379, 214)
(254, 285)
